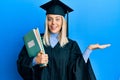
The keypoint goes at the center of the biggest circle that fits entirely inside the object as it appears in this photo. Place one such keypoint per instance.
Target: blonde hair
(62, 35)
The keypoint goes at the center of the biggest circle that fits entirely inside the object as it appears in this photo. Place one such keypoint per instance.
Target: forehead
(54, 16)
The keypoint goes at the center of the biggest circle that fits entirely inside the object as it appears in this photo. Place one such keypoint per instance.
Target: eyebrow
(58, 17)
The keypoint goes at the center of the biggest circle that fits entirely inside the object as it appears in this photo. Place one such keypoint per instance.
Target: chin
(54, 31)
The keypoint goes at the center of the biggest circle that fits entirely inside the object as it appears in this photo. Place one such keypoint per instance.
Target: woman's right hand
(41, 58)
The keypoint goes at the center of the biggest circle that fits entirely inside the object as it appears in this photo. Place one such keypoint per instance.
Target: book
(33, 43)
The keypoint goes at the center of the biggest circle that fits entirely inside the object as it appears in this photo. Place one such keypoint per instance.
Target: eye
(57, 19)
(49, 19)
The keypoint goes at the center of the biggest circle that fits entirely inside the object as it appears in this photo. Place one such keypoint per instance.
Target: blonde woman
(63, 56)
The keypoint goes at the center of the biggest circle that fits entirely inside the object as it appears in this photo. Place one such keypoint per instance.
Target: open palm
(98, 46)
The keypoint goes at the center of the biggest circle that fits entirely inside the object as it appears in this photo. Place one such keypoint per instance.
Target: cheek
(49, 23)
(60, 24)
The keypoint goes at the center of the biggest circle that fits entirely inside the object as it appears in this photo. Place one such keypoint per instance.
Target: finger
(38, 54)
(46, 55)
(41, 52)
(105, 46)
(45, 58)
(44, 61)
(108, 45)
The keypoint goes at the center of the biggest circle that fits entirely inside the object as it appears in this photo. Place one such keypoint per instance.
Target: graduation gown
(65, 63)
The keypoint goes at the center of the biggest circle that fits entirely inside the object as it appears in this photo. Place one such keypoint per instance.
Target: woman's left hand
(98, 46)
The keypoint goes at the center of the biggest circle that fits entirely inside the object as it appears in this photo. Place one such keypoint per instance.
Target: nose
(53, 22)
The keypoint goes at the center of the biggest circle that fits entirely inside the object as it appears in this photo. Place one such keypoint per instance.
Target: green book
(33, 43)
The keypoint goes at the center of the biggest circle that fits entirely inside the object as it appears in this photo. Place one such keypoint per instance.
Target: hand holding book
(41, 58)
(34, 44)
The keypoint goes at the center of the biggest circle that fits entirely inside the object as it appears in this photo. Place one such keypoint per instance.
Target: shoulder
(23, 51)
(72, 41)
(74, 47)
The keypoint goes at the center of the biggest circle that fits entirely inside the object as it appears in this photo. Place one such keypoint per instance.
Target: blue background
(93, 21)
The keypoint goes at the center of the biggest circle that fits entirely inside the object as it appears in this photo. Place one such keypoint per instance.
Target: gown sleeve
(24, 65)
(78, 69)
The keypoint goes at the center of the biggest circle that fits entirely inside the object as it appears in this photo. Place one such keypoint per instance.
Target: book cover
(33, 42)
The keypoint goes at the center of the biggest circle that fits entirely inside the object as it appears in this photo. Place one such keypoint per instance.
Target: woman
(63, 56)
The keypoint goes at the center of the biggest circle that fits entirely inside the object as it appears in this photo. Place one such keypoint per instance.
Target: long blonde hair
(62, 35)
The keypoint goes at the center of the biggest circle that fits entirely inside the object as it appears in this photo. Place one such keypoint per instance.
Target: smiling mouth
(53, 27)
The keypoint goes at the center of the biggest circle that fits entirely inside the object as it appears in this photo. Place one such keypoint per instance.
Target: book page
(41, 43)
(38, 37)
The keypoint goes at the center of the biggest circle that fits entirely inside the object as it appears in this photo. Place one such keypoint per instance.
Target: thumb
(41, 52)
(38, 54)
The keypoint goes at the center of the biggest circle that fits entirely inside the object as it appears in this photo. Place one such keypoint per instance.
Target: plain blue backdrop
(92, 21)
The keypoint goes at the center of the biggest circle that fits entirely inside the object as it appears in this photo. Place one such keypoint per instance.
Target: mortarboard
(57, 7)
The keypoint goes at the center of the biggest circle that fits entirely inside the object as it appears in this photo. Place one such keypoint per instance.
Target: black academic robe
(65, 63)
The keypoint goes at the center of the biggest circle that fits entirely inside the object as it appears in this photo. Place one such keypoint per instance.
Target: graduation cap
(57, 7)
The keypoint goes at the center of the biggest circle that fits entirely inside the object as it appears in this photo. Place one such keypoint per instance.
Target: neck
(54, 34)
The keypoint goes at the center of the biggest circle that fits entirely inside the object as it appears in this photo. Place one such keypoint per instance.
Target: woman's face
(54, 23)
